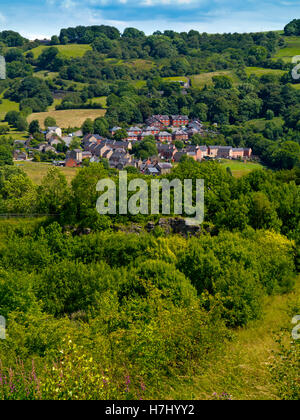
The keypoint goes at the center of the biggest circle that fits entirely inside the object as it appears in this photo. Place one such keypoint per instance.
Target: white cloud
(212, 16)
(2, 18)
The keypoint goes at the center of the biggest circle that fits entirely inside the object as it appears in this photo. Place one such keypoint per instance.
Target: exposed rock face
(175, 225)
(70, 230)
(132, 228)
(170, 225)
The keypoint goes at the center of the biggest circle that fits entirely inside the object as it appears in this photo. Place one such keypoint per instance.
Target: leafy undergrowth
(122, 316)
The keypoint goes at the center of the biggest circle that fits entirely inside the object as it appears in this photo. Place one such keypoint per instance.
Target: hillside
(243, 370)
(290, 50)
(66, 51)
(107, 290)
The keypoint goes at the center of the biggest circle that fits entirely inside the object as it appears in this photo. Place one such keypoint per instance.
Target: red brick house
(164, 136)
(204, 151)
(167, 151)
(152, 130)
(146, 134)
(180, 135)
(72, 163)
(179, 120)
(195, 152)
(159, 121)
(237, 153)
(134, 130)
(213, 151)
(196, 155)
(133, 137)
(133, 133)
(247, 153)
(225, 152)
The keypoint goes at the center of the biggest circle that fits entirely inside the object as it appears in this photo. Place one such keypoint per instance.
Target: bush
(285, 370)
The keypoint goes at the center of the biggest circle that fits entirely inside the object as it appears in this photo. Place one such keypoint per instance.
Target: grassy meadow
(67, 51)
(259, 71)
(67, 118)
(292, 49)
(100, 100)
(260, 123)
(176, 79)
(243, 368)
(240, 169)
(37, 170)
(7, 106)
(200, 80)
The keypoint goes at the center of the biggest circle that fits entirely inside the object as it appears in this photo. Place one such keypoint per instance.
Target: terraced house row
(164, 129)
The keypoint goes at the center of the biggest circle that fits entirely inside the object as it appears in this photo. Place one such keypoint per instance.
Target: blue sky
(42, 18)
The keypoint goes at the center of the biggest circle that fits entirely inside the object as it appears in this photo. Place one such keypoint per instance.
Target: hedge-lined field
(68, 118)
(68, 51)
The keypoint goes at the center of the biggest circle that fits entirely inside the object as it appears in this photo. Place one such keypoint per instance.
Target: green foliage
(16, 292)
(87, 127)
(133, 309)
(75, 143)
(12, 39)
(120, 134)
(285, 368)
(30, 92)
(101, 127)
(6, 157)
(53, 193)
(292, 28)
(145, 148)
(18, 194)
(49, 122)
(99, 314)
(34, 127)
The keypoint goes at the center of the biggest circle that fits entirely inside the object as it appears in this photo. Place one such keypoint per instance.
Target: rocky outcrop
(175, 225)
(171, 225)
(76, 231)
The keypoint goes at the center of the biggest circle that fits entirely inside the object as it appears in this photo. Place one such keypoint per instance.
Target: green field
(44, 74)
(67, 51)
(37, 170)
(259, 71)
(55, 102)
(100, 100)
(138, 63)
(260, 123)
(176, 79)
(239, 169)
(292, 49)
(138, 84)
(7, 106)
(200, 80)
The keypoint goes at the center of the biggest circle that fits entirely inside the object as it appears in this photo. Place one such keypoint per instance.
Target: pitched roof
(180, 117)
(164, 133)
